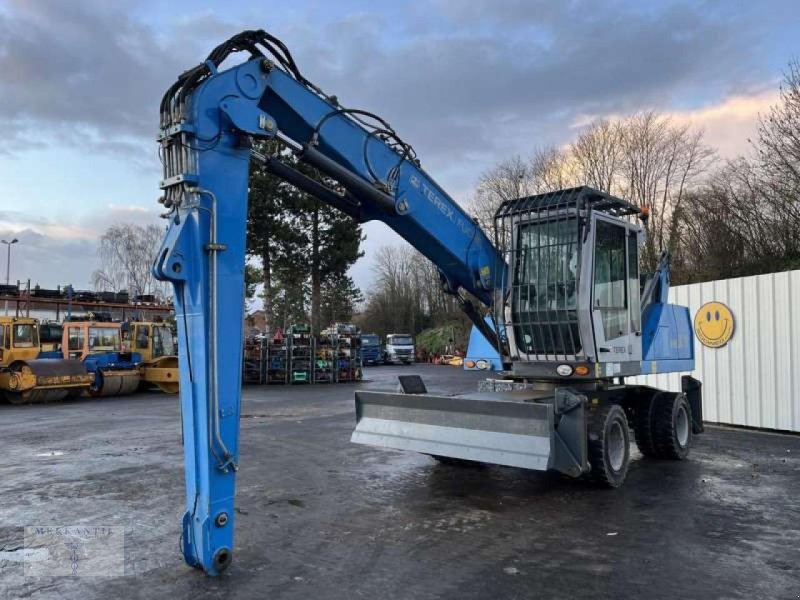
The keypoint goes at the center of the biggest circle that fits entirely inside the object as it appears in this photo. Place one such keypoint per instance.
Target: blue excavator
(556, 292)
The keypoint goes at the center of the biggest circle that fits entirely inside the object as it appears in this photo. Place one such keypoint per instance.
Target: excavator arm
(210, 119)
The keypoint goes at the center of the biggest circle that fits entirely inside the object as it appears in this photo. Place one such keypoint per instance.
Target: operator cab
(572, 304)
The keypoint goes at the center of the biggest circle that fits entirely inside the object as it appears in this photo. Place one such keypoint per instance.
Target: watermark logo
(75, 550)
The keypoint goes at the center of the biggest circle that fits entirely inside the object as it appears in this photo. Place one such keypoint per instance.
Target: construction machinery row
(52, 361)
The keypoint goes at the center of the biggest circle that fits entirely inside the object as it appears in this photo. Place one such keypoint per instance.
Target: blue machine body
(667, 335)
(480, 351)
(97, 363)
(112, 360)
(209, 118)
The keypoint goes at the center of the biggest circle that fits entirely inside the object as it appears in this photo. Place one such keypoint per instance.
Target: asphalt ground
(319, 517)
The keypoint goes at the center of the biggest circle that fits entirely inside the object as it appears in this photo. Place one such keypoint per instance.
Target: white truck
(399, 349)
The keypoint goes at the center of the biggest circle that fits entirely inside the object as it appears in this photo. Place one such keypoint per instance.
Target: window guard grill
(540, 239)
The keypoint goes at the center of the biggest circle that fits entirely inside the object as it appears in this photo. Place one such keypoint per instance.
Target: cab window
(25, 335)
(142, 335)
(610, 278)
(75, 341)
(633, 281)
(162, 342)
(104, 339)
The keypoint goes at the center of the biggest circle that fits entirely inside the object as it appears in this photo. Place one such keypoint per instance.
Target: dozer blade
(498, 428)
(117, 382)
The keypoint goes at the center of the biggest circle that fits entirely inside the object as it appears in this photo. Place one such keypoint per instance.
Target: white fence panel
(753, 380)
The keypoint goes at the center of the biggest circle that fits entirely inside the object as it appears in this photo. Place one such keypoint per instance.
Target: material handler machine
(559, 279)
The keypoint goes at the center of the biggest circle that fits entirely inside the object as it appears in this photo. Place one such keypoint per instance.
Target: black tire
(643, 425)
(609, 445)
(672, 426)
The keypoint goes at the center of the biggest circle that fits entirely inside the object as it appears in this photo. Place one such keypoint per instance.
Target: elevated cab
(573, 306)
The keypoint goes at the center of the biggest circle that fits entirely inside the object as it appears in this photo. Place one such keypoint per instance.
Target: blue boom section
(426, 216)
(206, 153)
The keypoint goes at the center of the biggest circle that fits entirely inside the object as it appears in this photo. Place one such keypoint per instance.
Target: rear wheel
(609, 445)
(672, 426)
(643, 425)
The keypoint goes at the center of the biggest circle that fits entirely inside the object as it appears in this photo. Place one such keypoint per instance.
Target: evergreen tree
(305, 248)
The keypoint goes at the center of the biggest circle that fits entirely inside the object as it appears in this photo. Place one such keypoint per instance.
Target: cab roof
(581, 197)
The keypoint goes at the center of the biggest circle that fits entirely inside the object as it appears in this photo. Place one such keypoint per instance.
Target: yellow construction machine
(27, 374)
(98, 345)
(156, 344)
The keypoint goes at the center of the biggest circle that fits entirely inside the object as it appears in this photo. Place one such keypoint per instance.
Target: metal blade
(492, 428)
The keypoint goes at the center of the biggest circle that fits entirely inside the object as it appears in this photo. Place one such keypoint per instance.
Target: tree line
(718, 218)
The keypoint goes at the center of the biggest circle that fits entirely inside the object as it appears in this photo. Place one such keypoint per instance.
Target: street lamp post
(8, 264)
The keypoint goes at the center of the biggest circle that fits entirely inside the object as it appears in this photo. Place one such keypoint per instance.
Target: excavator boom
(209, 122)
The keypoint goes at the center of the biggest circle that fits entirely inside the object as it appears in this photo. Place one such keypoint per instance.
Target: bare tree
(660, 162)
(407, 294)
(547, 169)
(552, 169)
(507, 180)
(126, 253)
(778, 146)
(598, 154)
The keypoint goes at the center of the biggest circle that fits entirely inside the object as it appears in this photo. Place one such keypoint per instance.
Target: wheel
(672, 426)
(609, 445)
(643, 425)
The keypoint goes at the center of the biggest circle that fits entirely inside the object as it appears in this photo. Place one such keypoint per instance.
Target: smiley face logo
(713, 324)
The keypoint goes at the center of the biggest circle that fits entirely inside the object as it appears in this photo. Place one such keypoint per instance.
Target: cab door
(141, 337)
(75, 347)
(615, 292)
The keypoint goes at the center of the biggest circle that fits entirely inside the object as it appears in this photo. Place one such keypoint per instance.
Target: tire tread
(664, 439)
(598, 421)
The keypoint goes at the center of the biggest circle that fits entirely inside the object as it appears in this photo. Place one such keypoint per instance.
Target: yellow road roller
(28, 375)
(156, 345)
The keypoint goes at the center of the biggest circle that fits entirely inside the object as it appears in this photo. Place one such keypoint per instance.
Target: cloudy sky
(468, 82)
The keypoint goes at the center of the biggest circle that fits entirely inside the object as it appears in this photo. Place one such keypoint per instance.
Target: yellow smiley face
(713, 324)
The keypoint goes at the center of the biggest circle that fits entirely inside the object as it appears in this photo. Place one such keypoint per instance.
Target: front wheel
(609, 445)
